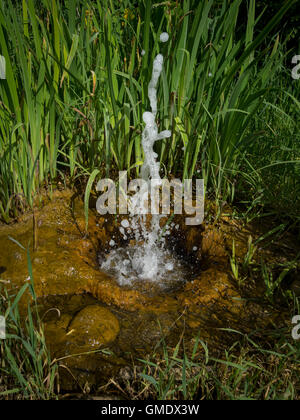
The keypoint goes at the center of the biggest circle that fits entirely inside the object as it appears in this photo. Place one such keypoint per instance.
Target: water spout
(148, 259)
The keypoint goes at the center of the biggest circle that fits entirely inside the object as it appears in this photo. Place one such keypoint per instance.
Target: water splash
(147, 258)
(164, 37)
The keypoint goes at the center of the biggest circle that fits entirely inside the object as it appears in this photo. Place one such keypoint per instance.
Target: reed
(27, 371)
(76, 89)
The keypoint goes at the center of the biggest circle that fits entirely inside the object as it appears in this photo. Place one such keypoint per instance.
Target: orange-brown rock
(213, 245)
(210, 286)
(93, 327)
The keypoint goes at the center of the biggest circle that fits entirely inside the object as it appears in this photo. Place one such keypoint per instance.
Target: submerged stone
(93, 327)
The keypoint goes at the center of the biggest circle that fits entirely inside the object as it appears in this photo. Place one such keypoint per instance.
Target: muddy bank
(85, 310)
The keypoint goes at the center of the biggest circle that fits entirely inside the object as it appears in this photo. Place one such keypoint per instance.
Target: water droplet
(164, 37)
(125, 223)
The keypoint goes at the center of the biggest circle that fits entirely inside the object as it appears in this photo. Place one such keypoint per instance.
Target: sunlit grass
(77, 82)
(26, 369)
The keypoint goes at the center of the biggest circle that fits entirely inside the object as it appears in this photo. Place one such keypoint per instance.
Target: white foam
(125, 223)
(164, 37)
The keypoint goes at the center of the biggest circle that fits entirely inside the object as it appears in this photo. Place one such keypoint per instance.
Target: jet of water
(148, 260)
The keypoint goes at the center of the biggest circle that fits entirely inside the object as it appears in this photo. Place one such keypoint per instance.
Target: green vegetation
(258, 366)
(76, 89)
(71, 111)
(26, 370)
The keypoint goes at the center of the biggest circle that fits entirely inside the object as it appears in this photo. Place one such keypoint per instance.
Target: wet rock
(208, 288)
(213, 246)
(76, 342)
(93, 327)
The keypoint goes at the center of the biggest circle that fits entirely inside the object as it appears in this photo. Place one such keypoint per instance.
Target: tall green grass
(77, 82)
(272, 164)
(26, 369)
